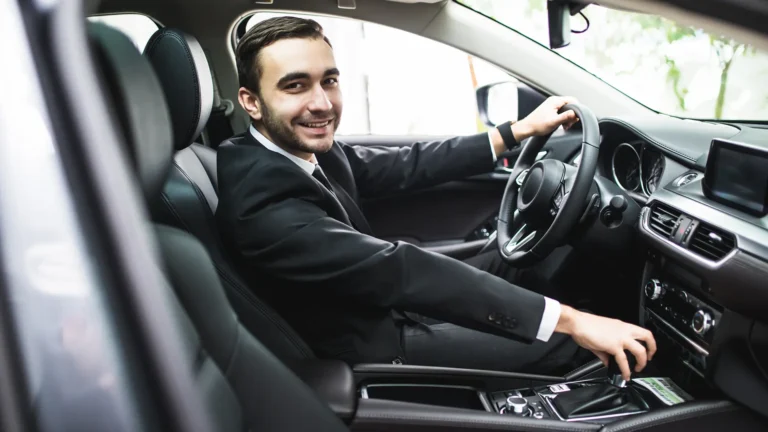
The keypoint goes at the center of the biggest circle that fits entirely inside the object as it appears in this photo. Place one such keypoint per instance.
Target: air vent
(711, 243)
(684, 180)
(664, 219)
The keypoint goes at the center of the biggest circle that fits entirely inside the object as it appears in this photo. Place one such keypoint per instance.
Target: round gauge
(625, 165)
(652, 169)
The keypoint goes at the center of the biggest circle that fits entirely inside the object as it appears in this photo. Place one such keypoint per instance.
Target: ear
(249, 102)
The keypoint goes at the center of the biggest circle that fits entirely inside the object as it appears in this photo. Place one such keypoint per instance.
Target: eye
(331, 81)
(293, 86)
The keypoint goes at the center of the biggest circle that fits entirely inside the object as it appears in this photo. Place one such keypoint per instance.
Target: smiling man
(289, 215)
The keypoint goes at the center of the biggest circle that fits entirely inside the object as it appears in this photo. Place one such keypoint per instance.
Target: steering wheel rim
(518, 243)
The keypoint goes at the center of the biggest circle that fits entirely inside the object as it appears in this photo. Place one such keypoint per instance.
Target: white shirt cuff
(493, 151)
(549, 319)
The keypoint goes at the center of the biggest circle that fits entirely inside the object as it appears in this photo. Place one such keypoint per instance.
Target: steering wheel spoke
(523, 237)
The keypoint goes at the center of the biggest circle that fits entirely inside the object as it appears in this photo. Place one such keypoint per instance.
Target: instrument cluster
(637, 167)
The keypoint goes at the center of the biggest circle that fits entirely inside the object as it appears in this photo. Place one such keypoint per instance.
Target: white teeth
(317, 125)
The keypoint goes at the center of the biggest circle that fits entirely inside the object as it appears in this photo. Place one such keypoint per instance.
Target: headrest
(138, 105)
(182, 68)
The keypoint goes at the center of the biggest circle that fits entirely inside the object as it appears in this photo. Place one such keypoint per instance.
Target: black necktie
(320, 176)
(347, 203)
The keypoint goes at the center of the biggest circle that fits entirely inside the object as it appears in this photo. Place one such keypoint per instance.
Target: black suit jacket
(294, 243)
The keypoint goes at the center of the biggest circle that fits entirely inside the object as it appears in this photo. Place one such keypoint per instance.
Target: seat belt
(219, 127)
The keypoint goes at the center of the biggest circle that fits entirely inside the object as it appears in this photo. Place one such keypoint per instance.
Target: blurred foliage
(657, 35)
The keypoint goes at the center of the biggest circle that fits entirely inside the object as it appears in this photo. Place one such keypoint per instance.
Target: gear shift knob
(614, 371)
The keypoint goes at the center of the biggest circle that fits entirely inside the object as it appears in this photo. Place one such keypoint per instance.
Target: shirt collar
(306, 166)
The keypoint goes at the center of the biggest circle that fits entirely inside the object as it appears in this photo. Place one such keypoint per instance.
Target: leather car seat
(243, 385)
(189, 197)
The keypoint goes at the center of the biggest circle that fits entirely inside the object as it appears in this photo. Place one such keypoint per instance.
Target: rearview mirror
(559, 17)
(506, 101)
(559, 13)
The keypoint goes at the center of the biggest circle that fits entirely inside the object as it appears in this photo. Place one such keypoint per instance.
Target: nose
(320, 101)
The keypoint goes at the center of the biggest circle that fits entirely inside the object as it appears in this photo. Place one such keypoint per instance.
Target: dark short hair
(264, 34)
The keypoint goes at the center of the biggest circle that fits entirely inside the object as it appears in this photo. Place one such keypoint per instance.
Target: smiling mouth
(317, 125)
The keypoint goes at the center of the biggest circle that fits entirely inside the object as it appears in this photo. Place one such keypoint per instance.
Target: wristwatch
(505, 129)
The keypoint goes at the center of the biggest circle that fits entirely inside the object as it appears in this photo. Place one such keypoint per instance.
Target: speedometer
(653, 168)
(625, 165)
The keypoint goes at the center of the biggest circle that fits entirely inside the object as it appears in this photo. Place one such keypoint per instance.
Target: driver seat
(243, 386)
(189, 197)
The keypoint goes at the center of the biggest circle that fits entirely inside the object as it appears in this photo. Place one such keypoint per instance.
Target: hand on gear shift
(608, 338)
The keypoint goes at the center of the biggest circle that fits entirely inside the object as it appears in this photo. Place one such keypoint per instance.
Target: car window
(668, 66)
(398, 83)
(139, 28)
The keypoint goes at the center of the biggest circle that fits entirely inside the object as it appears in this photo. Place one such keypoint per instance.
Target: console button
(653, 289)
(516, 405)
(702, 321)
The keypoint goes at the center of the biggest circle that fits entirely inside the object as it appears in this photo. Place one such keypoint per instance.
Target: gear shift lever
(615, 373)
(602, 399)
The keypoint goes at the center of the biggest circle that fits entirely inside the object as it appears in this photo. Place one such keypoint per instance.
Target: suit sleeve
(295, 240)
(384, 169)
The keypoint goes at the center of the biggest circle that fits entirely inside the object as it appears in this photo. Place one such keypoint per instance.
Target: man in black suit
(289, 214)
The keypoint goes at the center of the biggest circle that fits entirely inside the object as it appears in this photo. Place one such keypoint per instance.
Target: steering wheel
(544, 199)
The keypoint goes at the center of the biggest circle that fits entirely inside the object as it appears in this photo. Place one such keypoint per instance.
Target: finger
(647, 337)
(621, 361)
(638, 351)
(566, 117)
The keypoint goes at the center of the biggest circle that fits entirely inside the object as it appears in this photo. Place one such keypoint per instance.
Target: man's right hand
(607, 337)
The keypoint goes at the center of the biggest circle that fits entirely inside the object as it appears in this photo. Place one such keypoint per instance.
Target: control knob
(654, 289)
(516, 405)
(702, 321)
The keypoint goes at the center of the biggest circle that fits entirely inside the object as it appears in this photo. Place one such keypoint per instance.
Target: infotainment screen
(737, 176)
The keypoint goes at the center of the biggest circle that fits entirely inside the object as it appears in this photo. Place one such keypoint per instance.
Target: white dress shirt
(551, 307)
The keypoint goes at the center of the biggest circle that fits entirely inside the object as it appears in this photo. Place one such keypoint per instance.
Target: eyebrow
(303, 75)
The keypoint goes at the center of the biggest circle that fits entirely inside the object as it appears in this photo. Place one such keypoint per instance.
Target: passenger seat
(243, 386)
(190, 196)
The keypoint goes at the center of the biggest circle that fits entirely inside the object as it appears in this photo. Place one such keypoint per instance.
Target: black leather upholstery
(143, 117)
(189, 198)
(244, 386)
(699, 416)
(181, 66)
(271, 396)
(333, 382)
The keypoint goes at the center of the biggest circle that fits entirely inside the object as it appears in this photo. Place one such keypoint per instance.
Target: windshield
(670, 68)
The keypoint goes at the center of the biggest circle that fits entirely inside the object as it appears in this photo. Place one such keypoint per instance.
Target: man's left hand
(545, 118)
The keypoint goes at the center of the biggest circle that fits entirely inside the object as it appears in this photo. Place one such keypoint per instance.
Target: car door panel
(453, 218)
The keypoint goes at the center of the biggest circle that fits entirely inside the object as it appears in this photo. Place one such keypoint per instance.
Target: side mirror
(506, 101)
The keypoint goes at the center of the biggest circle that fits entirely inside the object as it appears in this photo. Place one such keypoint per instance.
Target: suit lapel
(353, 211)
(339, 213)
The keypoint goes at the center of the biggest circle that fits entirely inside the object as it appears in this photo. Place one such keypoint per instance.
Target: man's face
(300, 100)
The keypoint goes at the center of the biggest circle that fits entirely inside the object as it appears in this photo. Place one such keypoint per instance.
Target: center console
(415, 398)
(684, 318)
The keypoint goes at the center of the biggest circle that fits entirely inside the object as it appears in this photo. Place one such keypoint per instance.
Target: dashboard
(703, 290)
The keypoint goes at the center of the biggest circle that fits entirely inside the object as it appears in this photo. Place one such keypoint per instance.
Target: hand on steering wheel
(544, 200)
